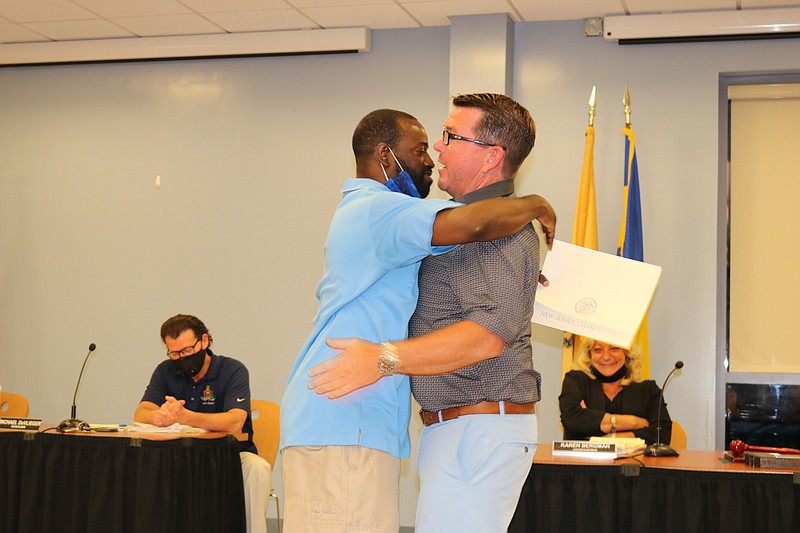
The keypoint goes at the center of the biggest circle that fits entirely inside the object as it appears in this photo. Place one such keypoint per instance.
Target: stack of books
(626, 447)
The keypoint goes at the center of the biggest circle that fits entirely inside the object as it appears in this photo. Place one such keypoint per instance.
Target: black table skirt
(66, 483)
(597, 499)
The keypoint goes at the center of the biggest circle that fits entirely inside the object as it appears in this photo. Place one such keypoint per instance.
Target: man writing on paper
(473, 327)
(195, 387)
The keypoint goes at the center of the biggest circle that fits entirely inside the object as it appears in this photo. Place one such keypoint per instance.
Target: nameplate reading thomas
(31, 424)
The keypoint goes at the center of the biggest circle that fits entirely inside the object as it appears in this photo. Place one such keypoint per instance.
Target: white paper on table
(594, 294)
(141, 427)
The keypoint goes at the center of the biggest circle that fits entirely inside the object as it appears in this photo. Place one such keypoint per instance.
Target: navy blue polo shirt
(225, 386)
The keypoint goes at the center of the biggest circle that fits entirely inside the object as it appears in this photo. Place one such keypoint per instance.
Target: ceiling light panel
(137, 8)
(30, 11)
(188, 24)
(79, 29)
(374, 16)
(273, 19)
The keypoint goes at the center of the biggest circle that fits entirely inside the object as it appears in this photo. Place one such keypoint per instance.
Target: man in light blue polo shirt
(341, 458)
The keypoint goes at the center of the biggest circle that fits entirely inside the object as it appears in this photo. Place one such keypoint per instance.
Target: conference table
(120, 482)
(696, 491)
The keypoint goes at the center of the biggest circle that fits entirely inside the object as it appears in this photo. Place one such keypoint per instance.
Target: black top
(639, 399)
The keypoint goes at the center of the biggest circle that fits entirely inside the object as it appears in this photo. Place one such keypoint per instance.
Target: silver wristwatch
(388, 359)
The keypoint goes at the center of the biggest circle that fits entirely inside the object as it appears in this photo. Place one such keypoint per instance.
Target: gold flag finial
(592, 100)
(626, 101)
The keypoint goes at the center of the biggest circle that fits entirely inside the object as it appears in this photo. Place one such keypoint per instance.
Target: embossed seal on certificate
(586, 306)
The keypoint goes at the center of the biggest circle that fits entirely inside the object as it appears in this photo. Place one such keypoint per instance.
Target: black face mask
(616, 376)
(191, 365)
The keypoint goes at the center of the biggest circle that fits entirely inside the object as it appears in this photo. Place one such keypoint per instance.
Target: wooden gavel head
(738, 447)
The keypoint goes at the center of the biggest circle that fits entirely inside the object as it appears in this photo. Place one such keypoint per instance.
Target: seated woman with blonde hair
(605, 396)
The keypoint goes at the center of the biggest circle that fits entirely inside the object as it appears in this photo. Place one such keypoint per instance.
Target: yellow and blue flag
(631, 242)
(584, 231)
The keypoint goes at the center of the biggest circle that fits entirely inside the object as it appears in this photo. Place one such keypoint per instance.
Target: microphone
(72, 424)
(657, 449)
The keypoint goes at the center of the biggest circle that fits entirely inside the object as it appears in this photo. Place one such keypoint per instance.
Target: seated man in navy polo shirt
(198, 388)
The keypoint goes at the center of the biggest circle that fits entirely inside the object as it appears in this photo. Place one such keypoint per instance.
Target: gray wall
(252, 153)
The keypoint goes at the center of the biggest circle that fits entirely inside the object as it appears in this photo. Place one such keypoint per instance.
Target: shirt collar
(352, 184)
(494, 190)
(213, 368)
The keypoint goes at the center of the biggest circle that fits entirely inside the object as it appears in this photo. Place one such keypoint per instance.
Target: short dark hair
(381, 125)
(505, 123)
(176, 325)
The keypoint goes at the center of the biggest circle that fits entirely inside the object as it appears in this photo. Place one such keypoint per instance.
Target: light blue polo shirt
(369, 290)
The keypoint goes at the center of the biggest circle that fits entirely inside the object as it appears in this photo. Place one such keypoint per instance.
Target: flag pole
(626, 102)
(631, 222)
(584, 230)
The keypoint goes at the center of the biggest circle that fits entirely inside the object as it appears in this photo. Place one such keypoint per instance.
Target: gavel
(738, 448)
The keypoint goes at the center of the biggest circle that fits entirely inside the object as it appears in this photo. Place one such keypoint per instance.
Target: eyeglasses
(447, 136)
(185, 352)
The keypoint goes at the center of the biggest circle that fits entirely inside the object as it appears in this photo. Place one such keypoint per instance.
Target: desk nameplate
(26, 424)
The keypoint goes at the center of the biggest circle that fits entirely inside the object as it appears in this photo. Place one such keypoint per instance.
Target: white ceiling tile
(438, 13)
(133, 8)
(302, 4)
(14, 33)
(34, 11)
(539, 10)
(190, 24)
(217, 6)
(272, 19)
(79, 29)
(374, 16)
(763, 4)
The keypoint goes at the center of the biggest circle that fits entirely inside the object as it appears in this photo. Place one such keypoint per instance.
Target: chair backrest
(678, 439)
(266, 428)
(13, 405)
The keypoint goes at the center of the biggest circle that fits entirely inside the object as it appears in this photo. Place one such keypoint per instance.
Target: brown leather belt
(483, 408)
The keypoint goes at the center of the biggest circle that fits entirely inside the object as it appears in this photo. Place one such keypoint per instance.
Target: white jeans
(257, 478)
(472, 470)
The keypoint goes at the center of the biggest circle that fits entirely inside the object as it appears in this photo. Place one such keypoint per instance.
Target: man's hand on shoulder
(354, 368)
(547, 217)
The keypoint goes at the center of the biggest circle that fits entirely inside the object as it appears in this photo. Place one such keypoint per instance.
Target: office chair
(13, 405)
(266, 435)
(678, 438)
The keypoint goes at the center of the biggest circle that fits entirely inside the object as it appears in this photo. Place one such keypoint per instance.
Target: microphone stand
(73, 424)
(657, 449)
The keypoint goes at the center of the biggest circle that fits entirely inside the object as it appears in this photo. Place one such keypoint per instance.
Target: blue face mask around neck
(401, 183)
(404, 184)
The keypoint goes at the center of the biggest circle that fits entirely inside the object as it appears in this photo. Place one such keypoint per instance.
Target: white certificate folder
(594, 294)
